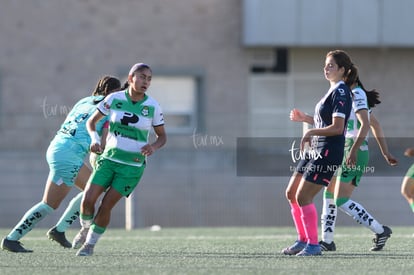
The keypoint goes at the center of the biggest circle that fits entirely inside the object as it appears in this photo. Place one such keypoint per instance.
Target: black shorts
(320, 165)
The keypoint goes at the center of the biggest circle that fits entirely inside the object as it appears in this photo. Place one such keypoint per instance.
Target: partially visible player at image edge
(407, 185)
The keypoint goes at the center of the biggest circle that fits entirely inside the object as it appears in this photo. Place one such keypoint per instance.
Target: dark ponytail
(352, 75)
(126, 85)
(105, 86)
(372, 95)
(343, 60)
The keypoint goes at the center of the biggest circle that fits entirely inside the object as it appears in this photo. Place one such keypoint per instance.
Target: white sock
(92, 237)
(85, 223)
(328, 219)
(361, 216)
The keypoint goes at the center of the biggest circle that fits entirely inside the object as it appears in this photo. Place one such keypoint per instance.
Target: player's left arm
(380, 138)
(161, 139)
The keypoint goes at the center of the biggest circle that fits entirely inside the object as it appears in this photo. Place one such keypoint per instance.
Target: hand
(147, 150)
(391, 160)
(409, 152)
(296, 115)
(96, 148)
(351, 159)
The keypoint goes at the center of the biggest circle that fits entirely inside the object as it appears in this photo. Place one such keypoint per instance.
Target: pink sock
(310, 222)
(296, 215)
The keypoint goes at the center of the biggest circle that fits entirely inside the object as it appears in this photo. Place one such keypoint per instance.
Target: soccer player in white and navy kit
(327, 148)
(132, 114)
(338, 193)
(65, 157)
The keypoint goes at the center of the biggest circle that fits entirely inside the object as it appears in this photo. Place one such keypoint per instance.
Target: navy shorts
(320, 164)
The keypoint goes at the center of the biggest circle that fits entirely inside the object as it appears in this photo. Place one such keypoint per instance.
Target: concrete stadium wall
(54, 54)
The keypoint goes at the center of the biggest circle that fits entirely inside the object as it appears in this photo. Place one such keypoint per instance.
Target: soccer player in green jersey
(354, 166)
(407, 186)
(132, 114)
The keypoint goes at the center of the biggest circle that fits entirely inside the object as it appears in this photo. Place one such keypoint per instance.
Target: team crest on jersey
(145, 111)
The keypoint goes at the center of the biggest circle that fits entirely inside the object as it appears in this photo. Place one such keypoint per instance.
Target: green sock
(71, 214)
(340, 201)
(98, 229)
(412, 206)
(29, 220)
(327, 194)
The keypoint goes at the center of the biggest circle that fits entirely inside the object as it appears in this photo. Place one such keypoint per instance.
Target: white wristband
(95, 138)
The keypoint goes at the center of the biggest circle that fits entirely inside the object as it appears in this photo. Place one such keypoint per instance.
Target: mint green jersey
(74, 126)
(129, 126)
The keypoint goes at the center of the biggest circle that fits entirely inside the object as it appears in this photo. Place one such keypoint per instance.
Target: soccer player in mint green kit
(72, 211)
(132, 114)
(338, 193)
(65, 156)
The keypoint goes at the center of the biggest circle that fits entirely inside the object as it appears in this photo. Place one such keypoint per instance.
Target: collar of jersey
(130, 100)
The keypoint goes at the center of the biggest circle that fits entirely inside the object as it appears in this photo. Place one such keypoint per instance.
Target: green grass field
(244, 250)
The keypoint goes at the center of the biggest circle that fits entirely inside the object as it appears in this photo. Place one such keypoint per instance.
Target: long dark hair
(343, 60)
(372, 95)
(105, 86)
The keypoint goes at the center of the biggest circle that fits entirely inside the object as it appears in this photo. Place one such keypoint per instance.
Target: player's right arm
(299, 116)
(95, 146)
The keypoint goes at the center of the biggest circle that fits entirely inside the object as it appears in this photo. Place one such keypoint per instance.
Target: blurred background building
(223, 71)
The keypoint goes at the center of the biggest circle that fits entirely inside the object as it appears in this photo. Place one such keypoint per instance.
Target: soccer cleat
(58, 237)
(85, 250)
(80, 238)
(380, 239)
(327, 246)
(294, 248)
(14, 246)
(311, 250)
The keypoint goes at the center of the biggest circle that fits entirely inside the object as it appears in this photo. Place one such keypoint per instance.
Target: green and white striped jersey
(359, 102)
(129, 126)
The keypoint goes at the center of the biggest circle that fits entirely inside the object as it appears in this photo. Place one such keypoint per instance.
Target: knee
(404, 192)
(303, 199)
(87, 201)
(406, 189)
(290, 196)
(292, 188)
